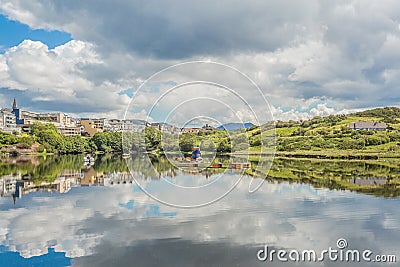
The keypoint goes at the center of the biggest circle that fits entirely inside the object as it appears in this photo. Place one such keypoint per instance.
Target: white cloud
(32, 65)
(291, 114)
(321, 110)
(344, 52)
(58, 77)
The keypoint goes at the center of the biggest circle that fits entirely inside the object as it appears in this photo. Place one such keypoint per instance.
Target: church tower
(15, 104)
(17, 112)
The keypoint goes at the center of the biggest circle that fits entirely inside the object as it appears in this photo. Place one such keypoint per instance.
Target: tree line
(318, 133)
(151, 140)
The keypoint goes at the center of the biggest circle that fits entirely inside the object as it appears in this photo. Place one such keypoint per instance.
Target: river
(57, 212)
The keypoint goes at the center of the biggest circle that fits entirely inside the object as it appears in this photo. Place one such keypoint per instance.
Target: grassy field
(330, 137)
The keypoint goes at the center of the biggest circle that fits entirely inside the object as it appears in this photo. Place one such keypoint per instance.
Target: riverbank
(323, 154)
(349, 154)
(326, 154)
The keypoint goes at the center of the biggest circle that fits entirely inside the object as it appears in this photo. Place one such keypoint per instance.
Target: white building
(70, 130)
(7, 121)
(165, 127)
(116, 125)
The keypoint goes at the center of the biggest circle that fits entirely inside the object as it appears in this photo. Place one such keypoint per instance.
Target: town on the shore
(15, 120)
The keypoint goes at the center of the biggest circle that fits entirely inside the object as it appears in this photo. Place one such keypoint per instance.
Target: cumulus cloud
(340, 51)
(33, 65)
(51, 78)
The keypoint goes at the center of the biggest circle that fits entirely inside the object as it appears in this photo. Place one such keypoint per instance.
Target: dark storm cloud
(25, 101)
(179, 29)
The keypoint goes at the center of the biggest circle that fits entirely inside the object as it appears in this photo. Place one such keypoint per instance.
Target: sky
(308, 57)
(14, 32)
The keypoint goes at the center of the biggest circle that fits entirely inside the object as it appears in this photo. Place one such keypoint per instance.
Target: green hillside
(322, 137)
(332, 134)
(326, 137)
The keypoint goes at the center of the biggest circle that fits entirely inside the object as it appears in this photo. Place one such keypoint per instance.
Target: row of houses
(16, 119)
(92, 126)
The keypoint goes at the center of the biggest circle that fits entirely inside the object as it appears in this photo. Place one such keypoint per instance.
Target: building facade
(7, 121)
(368, 125)
(116, 125)
(70, 130)
(63, 122)
(92, 126)
(165, 127)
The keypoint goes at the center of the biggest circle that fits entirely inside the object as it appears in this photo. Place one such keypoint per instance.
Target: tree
(187, 142)
(7, 139)
(152, 138)
(224, 146)
(100, 141)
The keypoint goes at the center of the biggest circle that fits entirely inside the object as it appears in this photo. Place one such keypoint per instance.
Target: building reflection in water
(368, 181)
(17, 185)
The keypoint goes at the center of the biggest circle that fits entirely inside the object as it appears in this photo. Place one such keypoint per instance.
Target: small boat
(188, 160)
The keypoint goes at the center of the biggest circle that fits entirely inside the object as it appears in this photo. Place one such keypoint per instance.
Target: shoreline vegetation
(322, 151)
(320, 137)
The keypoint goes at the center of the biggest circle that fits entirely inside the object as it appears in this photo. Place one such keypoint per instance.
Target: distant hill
(387, 113)
(332, 133)
(235, 126)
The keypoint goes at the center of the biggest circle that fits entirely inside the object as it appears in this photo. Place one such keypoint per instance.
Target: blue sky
(51, 259)
(14, 32)
(310, 58)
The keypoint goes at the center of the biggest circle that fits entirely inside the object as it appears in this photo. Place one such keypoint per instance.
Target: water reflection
(368, 181)
(24, 175)
(102, 219)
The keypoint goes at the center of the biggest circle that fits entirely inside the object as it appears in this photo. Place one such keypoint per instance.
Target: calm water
(57, 212)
